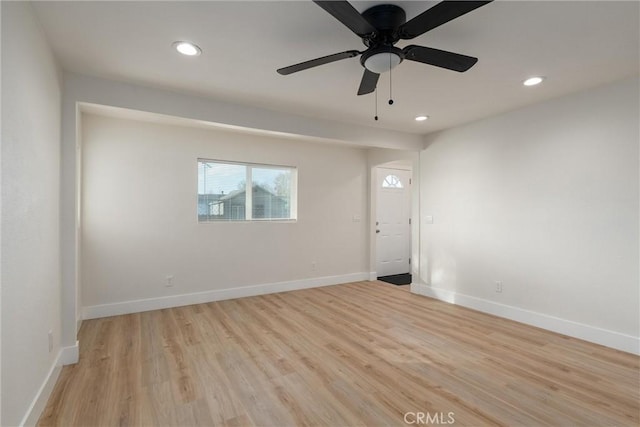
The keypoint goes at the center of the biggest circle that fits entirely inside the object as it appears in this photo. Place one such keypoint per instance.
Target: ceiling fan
(381, 27)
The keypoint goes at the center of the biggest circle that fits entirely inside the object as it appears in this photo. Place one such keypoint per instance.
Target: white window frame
(293, 197)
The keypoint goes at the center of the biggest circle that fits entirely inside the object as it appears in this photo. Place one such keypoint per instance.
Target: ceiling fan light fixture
(382, 62)
(532, 81)
(187, 48)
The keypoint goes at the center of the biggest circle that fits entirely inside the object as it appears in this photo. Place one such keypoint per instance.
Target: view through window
(392, 181)
(244, 192)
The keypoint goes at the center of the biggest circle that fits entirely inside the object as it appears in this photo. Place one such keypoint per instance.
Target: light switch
(428, 219)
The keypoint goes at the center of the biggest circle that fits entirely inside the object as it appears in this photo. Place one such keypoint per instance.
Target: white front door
(393, 230)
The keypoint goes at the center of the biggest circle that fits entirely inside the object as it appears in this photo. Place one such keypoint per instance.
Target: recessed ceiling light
(187, 48)
(421, 118)
(532, 81)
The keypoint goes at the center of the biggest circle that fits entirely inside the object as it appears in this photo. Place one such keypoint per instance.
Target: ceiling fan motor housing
(387, 19)
(382, 55)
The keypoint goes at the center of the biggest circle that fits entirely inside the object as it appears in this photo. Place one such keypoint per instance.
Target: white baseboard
(373, 276)
(70, 355)
(137, 306)
(66, 356)
(593, 334)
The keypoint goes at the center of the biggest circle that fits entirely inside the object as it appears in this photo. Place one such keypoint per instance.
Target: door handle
(377, 231)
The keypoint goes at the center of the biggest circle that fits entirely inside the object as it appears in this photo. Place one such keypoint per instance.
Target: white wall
(31, 94)
(0, 219)
(139, 213)
(84, 89)
(544, 199)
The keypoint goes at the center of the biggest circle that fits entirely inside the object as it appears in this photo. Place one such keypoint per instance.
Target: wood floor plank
(359, 354)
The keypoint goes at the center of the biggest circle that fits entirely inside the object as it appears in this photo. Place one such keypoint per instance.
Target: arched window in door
(392, 181)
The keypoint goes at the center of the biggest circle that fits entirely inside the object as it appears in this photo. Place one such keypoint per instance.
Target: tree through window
(229, 191)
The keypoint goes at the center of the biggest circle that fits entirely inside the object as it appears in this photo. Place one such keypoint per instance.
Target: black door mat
(397, 279)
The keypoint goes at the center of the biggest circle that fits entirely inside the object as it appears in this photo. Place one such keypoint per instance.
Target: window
(392, 181)
(245, 192)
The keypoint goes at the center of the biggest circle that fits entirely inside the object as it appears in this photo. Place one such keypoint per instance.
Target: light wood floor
(358, 354)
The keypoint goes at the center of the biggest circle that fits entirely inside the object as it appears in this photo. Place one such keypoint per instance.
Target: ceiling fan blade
(318, 61)
(348, 15)
(368, 83)
(439, 58)
(439, 14)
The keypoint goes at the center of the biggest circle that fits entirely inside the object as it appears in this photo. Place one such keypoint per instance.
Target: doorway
(393, 225)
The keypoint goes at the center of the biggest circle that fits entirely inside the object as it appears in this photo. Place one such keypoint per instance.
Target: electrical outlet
(169, 281)
(499, 287)
(313, 266)
(50, 334)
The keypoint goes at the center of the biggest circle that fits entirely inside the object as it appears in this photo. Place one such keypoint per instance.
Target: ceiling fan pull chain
(390, 91)
(376, 116)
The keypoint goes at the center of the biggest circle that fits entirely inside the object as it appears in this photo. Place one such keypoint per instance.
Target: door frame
(406, 160)
(406, 171)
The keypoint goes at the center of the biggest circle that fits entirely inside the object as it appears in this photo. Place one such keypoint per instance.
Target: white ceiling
(575, 44)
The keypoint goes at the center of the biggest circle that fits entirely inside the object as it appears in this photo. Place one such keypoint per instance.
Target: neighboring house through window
(243, 192)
